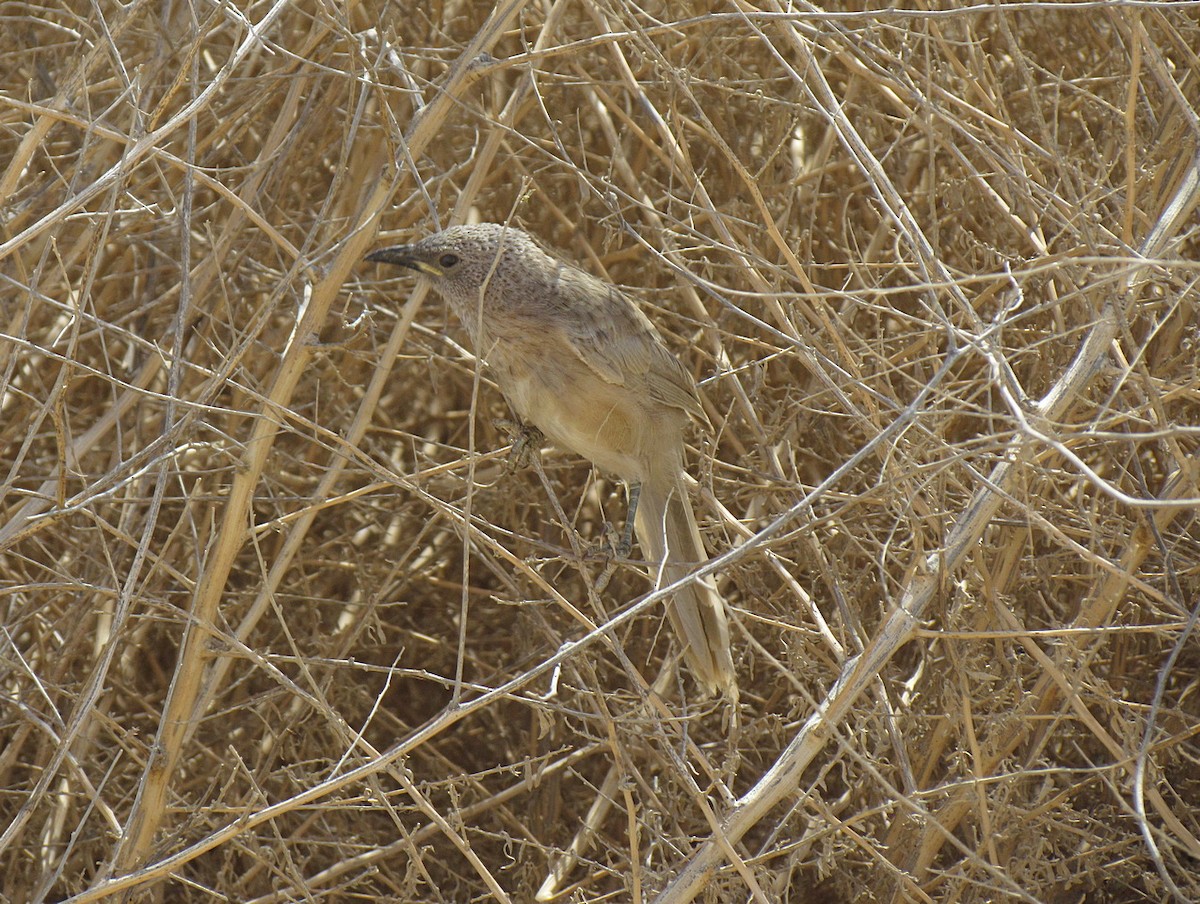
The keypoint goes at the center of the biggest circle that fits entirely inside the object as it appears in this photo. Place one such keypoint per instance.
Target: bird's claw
(611, 545)
(525, 439)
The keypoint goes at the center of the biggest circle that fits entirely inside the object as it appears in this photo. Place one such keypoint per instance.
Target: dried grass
(246, 653)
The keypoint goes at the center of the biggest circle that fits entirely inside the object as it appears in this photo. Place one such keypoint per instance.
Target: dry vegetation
(278, 624)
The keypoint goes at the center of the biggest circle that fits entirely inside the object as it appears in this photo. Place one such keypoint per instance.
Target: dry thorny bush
(263, 565)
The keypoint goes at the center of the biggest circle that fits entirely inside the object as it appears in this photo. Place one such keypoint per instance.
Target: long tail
(667, 532)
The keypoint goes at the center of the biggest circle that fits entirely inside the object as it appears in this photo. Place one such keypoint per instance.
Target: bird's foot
(525, 439)
(611, 548)
(611, 545)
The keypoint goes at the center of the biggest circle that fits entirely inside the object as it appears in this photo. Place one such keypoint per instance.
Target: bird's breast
(611, 425)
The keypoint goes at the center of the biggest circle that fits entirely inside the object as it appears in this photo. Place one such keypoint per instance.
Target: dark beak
(397, 254)
(402, 256)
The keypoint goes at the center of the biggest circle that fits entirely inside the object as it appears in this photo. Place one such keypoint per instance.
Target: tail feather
(671, 543)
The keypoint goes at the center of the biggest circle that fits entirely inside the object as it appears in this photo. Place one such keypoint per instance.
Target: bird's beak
(402, 256)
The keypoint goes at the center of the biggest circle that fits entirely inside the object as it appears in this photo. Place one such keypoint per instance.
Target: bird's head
(462, 259)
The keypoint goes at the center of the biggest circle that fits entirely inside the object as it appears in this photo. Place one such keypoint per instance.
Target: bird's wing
(620, 344)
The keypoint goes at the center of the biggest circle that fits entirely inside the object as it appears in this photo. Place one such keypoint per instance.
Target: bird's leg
(526, 440)
(626, 547)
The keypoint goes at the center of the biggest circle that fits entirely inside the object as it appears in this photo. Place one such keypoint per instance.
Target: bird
(579, 361)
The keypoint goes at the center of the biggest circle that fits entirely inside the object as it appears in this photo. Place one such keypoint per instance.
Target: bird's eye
(448, 260)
